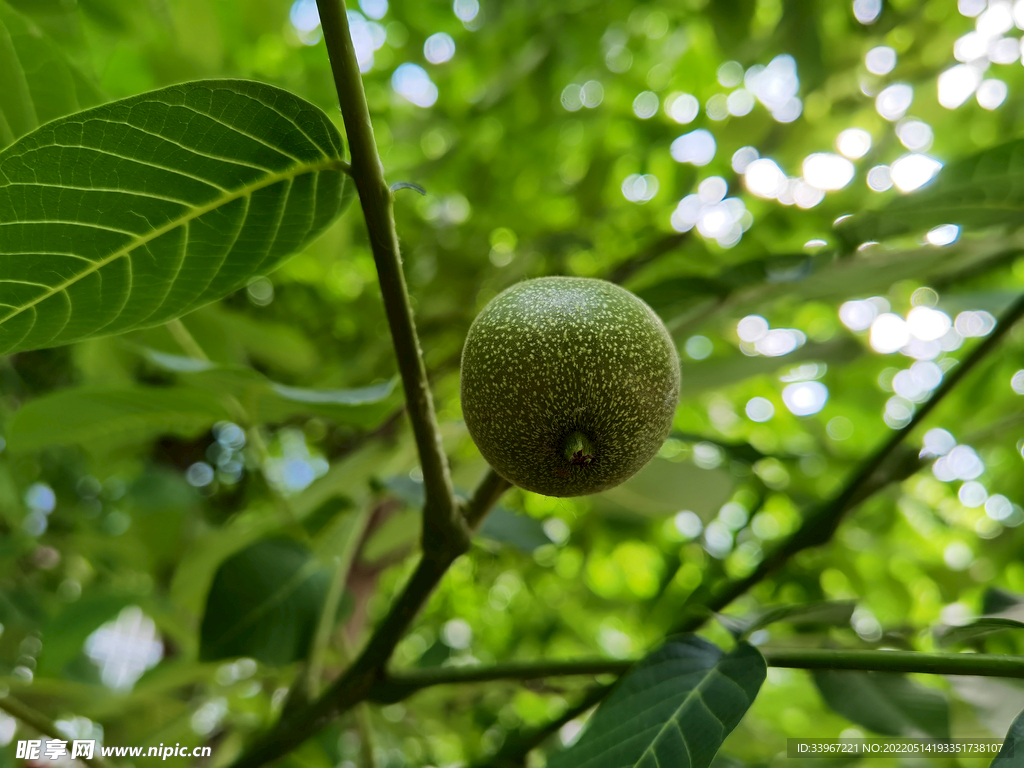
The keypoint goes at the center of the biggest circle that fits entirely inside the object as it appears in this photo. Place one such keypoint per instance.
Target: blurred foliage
(131, 531)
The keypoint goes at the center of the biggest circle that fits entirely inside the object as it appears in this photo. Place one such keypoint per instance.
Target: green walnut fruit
(569, 384)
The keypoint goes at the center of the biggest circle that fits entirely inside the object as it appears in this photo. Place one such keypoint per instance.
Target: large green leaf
(89, 416)
(1012, 753)
(675, 708)
(264, 603)
(981, 190)
(886, 703)
(136, 212)
(266, 400)
(37, 81)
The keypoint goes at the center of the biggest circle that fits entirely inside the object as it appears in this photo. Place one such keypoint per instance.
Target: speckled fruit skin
(558, 356)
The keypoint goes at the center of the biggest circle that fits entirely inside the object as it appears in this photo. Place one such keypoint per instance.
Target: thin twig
(39, 723)
(513, 751)
(972, 664)
(442, 523)
(399, 686)
(484, 497)
(355, 527)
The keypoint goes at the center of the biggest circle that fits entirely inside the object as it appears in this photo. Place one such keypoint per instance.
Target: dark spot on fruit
(581, 459)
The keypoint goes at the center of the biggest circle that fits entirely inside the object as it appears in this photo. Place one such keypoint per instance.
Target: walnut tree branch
(875, 473)
(821, 523)
(401, 685)
(442, 522)
(447, 523)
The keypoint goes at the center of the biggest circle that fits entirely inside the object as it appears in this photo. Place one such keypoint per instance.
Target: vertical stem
(446, 523)
(366, 740)
(364, 726)
(442, 522)
(185, 339)
(355, 528)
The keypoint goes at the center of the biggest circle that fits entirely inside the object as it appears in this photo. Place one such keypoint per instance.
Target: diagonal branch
(820, 524)
(512, 753)
(818, 527)
(399, 686)
(356, 684)
(38, 722)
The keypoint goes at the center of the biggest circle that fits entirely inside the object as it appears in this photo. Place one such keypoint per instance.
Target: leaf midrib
(192, 214)
(695, 693)
(302, 574)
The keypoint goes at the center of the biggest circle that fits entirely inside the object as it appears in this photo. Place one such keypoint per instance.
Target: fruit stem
(578, 450)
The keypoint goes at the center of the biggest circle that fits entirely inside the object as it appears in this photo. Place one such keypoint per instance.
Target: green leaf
(38, 82)
(276, 344)
(523, 532)
(136, 212)
(69, 629)
(264, 603)
(832, 612)
(886, 703)
(399, 532)
(983, 627)
(756, 285)
(268, 401)
(725, 371)
(663, 487)
(1011, 755)
(996, 600)
(92, 415)
(981, 190)
(675, 708)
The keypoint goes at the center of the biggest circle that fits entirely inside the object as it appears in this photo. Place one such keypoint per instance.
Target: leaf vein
(238, 130)
(174, 223)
